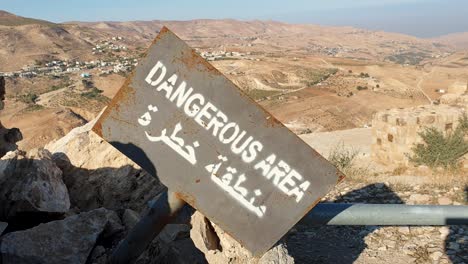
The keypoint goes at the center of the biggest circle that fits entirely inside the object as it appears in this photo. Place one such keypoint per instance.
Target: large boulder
(98, 175)
(64, 241)
(31, 183)
(219, 247)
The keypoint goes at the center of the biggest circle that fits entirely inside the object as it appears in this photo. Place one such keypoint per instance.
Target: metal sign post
(184, 122)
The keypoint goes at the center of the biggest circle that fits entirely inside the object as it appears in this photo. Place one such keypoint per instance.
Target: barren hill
(30, 40)
(314, 78)
(270, 36)
(9, 19)
(458, 40)
(27, 41)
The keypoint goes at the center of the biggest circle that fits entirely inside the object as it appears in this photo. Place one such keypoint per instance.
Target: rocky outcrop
(98, 175)
(8, 137)
(65, 241)
(219, 247)
(31, 183)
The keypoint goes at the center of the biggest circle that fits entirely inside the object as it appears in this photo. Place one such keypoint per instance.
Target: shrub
(364, 75)
(28, 98)
(439, 149)
(360, 88)
(93, 94)
(345, 160)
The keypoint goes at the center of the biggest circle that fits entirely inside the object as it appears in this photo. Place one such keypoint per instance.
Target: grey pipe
(386, 214)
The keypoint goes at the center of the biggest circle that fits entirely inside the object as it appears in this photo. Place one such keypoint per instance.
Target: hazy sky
(423, 18)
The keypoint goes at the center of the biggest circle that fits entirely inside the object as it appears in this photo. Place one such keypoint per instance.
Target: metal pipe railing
(387, 214)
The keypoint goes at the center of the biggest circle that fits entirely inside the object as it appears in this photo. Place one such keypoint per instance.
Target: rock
(389, 243)
(203, 234)
(436, 255)
(277, 255)
(173, 232)
(454, 246)
(31, 183)
(97, 253)
(419, 198)
(64, 241)
(228, 250)
(3, 226)
(379, 185)
(444, 201)
(173, 245)
(130, 218)
(444, 232)
(8, 137)
(98, 175)
(404, 230)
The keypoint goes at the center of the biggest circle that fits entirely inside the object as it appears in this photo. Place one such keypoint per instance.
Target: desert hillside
(328, 78)
(458, 40)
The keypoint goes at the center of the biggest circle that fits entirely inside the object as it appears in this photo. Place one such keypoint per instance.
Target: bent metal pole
(161, 213)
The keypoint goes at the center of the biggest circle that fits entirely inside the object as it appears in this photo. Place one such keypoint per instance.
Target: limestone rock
(444, 201)
(202, 233)
(31, 183)
(98, 175)
(419, 198)
(228, 250)
(64, 241)
(130, 218)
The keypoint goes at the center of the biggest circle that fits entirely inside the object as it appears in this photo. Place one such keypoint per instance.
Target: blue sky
(423, 18)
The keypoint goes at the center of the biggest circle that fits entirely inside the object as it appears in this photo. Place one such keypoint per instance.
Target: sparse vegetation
(441, 149)
(33, 107)
(95, 93)
(364, 75)
(257, 94)
(315, 77)
(345, 160)
(360, 88)
(399, 170)
(28, 98)
(412, 58)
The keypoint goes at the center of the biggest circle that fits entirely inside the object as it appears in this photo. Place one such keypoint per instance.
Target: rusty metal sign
(183, 121)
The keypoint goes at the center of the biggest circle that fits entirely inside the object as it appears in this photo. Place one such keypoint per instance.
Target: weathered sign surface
(183, 121)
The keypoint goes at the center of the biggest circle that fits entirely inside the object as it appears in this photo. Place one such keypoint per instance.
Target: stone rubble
(64, 241)
(31, 183)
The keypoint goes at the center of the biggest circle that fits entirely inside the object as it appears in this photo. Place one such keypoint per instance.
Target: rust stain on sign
(184, 122)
